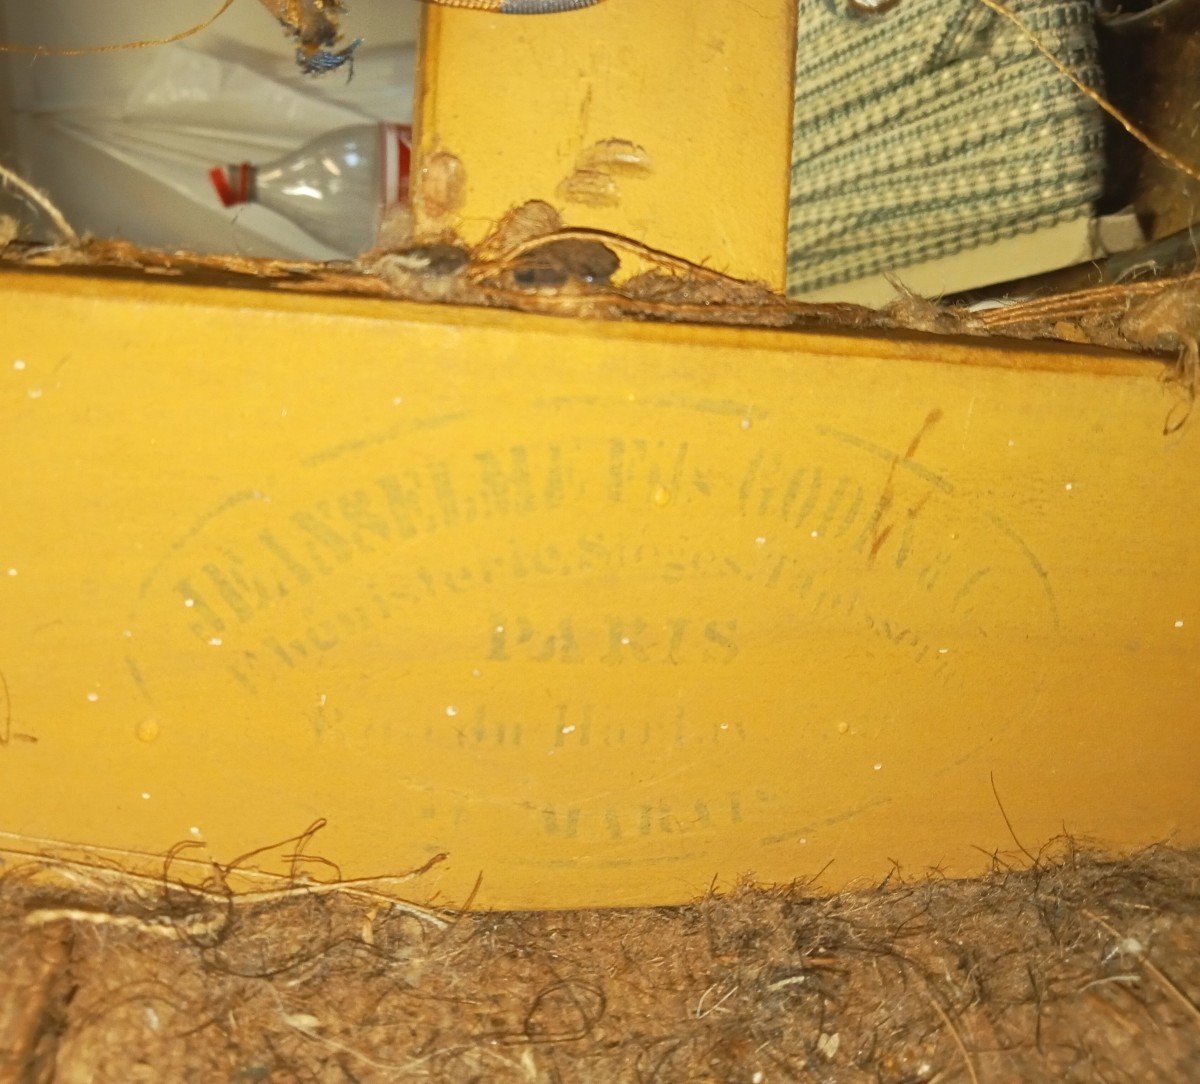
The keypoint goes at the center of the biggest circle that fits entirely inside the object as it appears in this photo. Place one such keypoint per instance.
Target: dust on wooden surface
(530, 262)
(599, 274)
(1074, 968)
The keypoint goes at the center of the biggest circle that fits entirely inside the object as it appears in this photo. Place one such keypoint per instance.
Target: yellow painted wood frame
(602, 611)
(665, 120)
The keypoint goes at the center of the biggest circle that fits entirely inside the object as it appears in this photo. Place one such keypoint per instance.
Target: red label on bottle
(396, 161)
(232, 184)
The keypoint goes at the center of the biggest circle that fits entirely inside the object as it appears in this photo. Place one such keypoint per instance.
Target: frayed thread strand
(42, 202)
(43, 50)
(1145, 140)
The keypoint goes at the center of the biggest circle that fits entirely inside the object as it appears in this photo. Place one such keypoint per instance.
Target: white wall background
(123, 141)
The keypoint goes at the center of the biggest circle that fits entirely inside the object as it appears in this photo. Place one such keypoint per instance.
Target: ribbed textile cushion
(933, 127)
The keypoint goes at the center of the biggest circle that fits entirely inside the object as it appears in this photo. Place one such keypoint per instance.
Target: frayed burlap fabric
(932, 127)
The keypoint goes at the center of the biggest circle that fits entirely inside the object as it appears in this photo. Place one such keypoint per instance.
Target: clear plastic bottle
(335, 188)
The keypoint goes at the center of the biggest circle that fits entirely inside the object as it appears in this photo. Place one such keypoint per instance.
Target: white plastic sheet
(135, 165)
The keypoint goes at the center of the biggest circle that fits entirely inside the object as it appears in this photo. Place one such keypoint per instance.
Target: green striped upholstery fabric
(933, 127)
